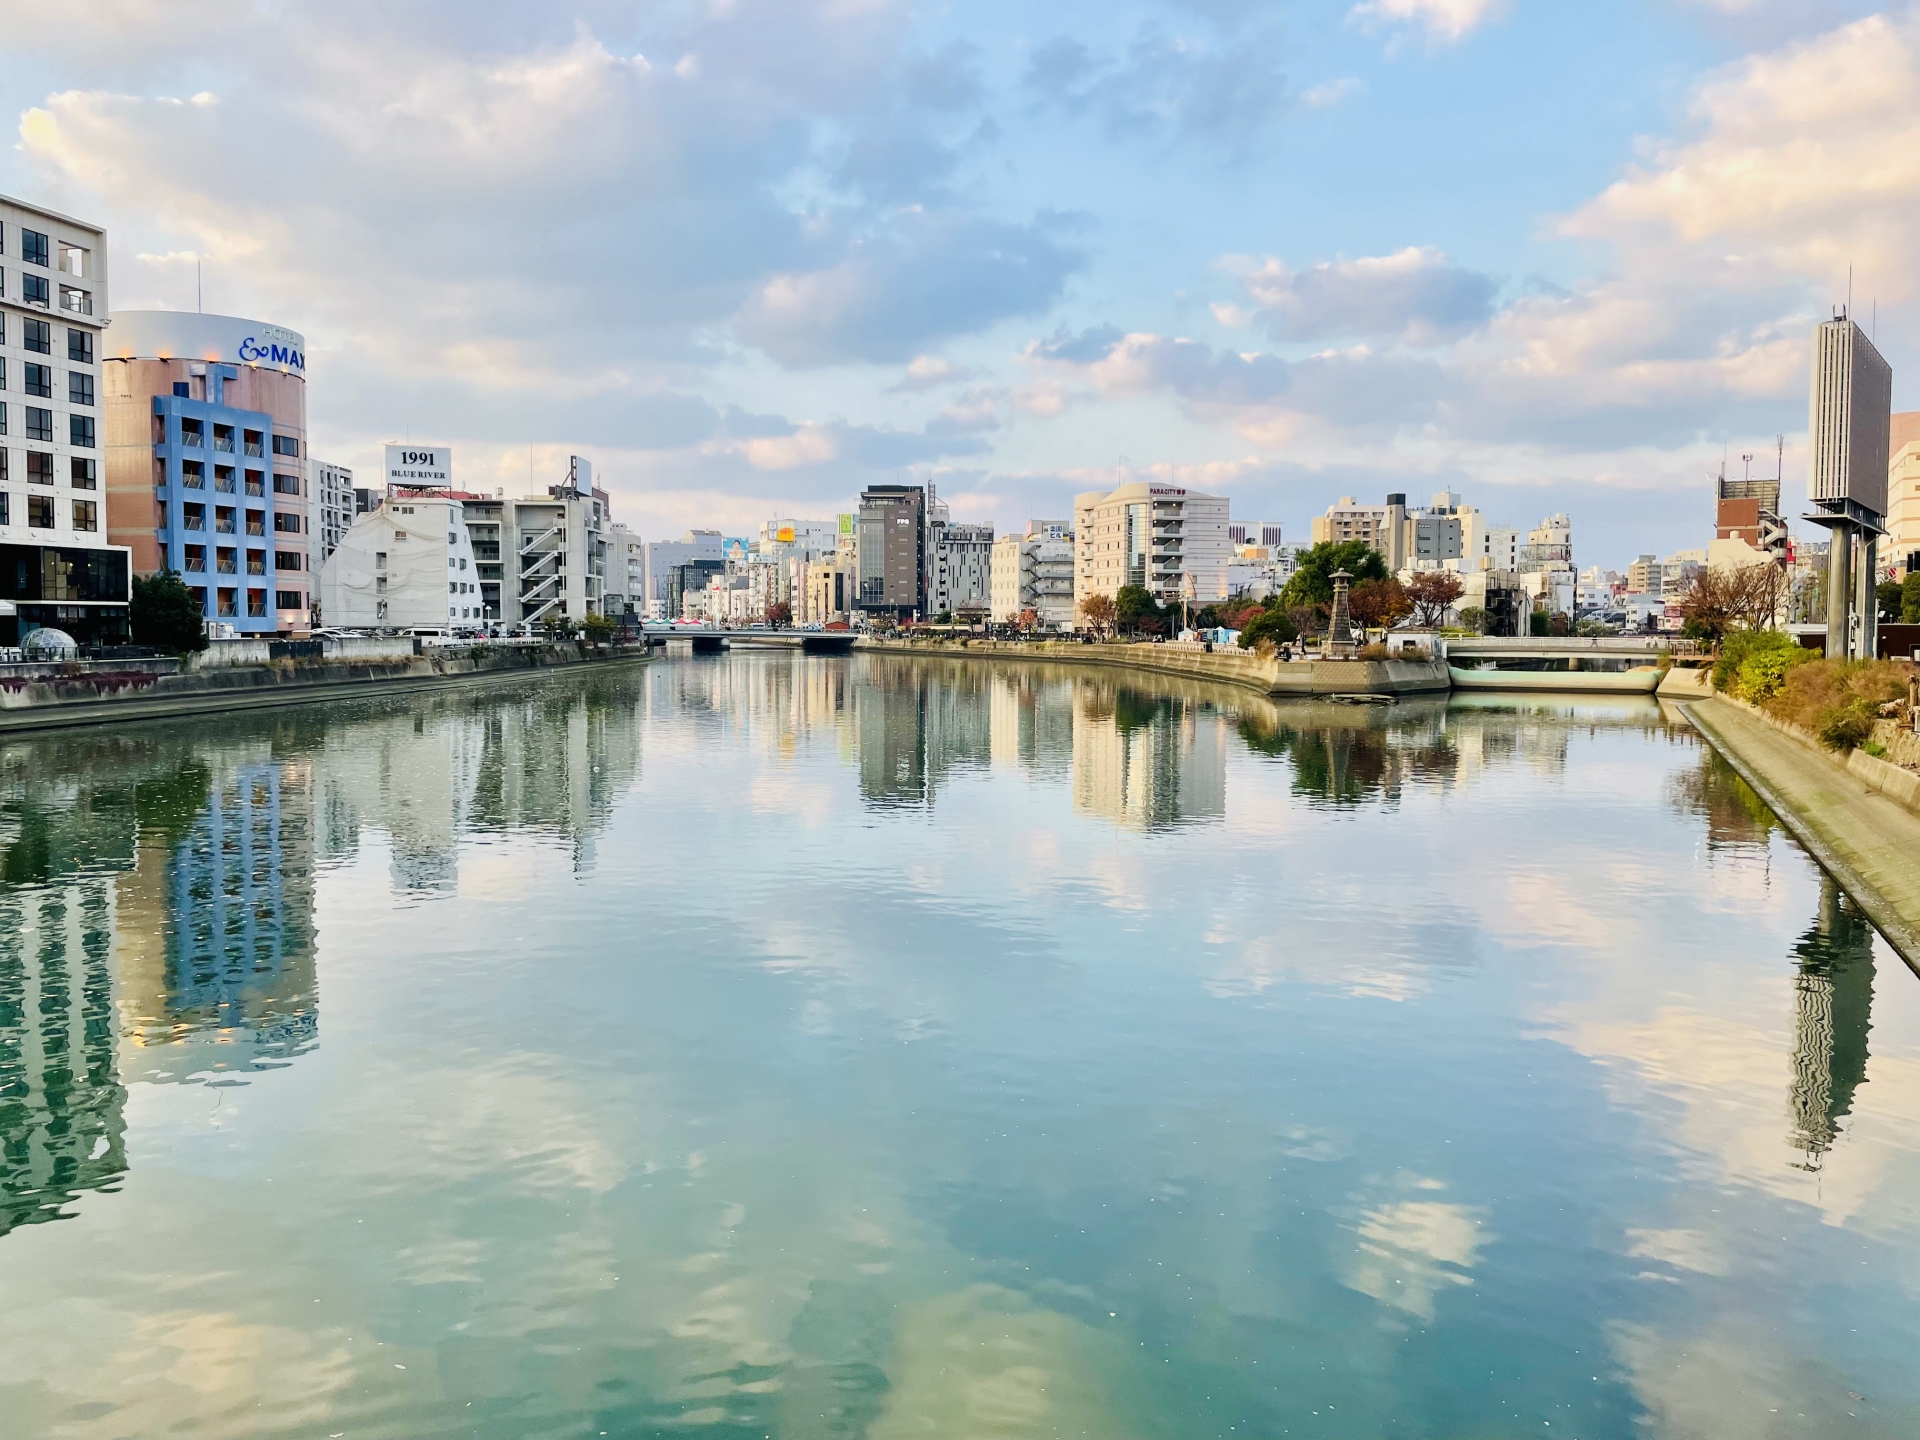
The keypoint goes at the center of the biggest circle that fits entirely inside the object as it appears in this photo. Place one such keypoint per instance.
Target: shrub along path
(1870, 844)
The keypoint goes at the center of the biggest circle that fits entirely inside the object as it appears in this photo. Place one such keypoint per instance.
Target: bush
(163, 614)
(1763, 670)
(1838, 700)
(1910, 599)
(1739, 645)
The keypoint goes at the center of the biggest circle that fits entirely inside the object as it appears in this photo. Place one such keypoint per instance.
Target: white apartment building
(1034, 572)
(333, 507)
(1264, 533)
(53, 303)
(1169, 539)
(1347, 519)
(626, 582)
(408, 565)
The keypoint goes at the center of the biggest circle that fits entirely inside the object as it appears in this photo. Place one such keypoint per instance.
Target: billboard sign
(846, 524)
(784, 535)
(420, 466)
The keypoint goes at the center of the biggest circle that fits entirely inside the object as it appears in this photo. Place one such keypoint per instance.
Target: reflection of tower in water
(1833, 1011)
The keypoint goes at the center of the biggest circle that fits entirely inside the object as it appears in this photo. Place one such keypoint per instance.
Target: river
(889, 1047)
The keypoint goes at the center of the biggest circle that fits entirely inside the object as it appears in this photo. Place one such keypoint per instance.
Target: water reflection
(1833, 1011)
(846, 1122)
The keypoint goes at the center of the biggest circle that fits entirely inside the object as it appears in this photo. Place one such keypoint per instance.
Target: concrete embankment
(1856, 816)
(1234, 667)
(41, 697)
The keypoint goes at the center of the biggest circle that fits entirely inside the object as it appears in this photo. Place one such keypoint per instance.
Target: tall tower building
(1848, 424)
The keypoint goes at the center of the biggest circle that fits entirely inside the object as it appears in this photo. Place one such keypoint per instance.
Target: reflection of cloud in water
(1407, 1251)
(985, 1362)
(1692, 1250)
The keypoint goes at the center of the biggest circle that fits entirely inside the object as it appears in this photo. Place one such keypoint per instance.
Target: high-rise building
(1903, 491)
(891, 550)
(962, 579)
(61, 567)
(1168, 539)
(1849, 424)
(626, 571)
(333, 507)
(206, 424)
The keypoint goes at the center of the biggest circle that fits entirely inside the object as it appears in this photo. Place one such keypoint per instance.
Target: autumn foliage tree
(1723, 598)
(1433, 593)
(1098, 611)
(1379, 604)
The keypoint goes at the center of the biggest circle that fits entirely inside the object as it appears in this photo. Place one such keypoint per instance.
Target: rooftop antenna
(1746, 473)
(1849, 309)
(1779, 458)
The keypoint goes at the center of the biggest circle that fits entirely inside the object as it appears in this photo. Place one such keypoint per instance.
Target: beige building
(1903, 493)
(1035, 572)
(1169, 539)
(1347, 520)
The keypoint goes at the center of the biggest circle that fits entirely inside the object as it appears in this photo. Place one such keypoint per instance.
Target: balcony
(256, 485)
(225, 564)
(193, 519)
(223, 479)
(223, 438)
(255, 449)
(223, 524)
(75, 301)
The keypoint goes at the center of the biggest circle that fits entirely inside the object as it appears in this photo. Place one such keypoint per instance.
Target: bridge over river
(711, 640)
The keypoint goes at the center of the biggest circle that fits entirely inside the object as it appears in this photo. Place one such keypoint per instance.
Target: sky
(749, 256)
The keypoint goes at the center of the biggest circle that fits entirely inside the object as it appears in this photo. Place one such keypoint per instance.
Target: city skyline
(757, 258)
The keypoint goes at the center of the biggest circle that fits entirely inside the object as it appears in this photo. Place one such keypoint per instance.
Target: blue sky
(751, 255)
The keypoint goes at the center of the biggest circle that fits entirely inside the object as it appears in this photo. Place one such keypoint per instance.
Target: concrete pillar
(1839, 588)
(1869, 595)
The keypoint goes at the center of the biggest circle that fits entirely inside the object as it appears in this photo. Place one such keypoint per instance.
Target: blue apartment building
(217, 472)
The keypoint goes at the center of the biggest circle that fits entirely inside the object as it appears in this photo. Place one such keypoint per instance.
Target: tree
(1433, 593)
(1135, 609)
(1891, 596)
(1910, 599)
(1312, 579)
(1379, 604)
(1098, 611)
(1474, 618)
(597, 628)
(1027, 621)
(165, 615)
(1723, 598)
(779, 613)
(1270, 625)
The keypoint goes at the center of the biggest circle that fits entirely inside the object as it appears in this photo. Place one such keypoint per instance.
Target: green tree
(1135, 609)
(1269, 625)
(598, 628)
(1473, 618)
(164, 614)
(1910, 599)
(1312, 581)
(1892, 597)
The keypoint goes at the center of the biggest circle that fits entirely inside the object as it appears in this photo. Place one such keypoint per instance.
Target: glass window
(40, 512)
(37, 290)
(33, 247)
(289, 560)
(37, 336)
(38, 380)
(286, 484)
(285, 445)
(39, 424)
(79, 388)
(86, 514)
(82, 473)
(80, 431)
(80, 346)
(5, 515)
(39, 468)
(292, 600)
(3, 372)
(3, 420)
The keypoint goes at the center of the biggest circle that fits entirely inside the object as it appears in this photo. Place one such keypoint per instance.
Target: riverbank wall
(1271, 677)
(49, 696)
(1859, 817)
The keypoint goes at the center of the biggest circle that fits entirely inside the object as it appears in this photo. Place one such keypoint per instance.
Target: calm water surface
(807, 1048)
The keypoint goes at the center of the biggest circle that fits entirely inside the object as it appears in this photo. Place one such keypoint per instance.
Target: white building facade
(408, 565)
(1166, 538)
(333, 507)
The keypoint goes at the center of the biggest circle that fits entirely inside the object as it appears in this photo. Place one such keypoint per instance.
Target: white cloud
(1446, 21)
(1330, 92)
(1415, 295)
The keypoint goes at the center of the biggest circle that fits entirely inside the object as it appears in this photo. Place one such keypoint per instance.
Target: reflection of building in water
(62, 1107)
(917, 722)
(1737, 819)
(216, 953)
(1030, 720)
(1833, 1011)
(551, 762)
(1146, 760)
(1345, 755)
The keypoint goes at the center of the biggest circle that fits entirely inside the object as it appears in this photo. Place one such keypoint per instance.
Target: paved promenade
(1869, 843)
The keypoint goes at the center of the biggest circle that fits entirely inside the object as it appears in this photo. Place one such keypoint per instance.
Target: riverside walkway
(1868, 842)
